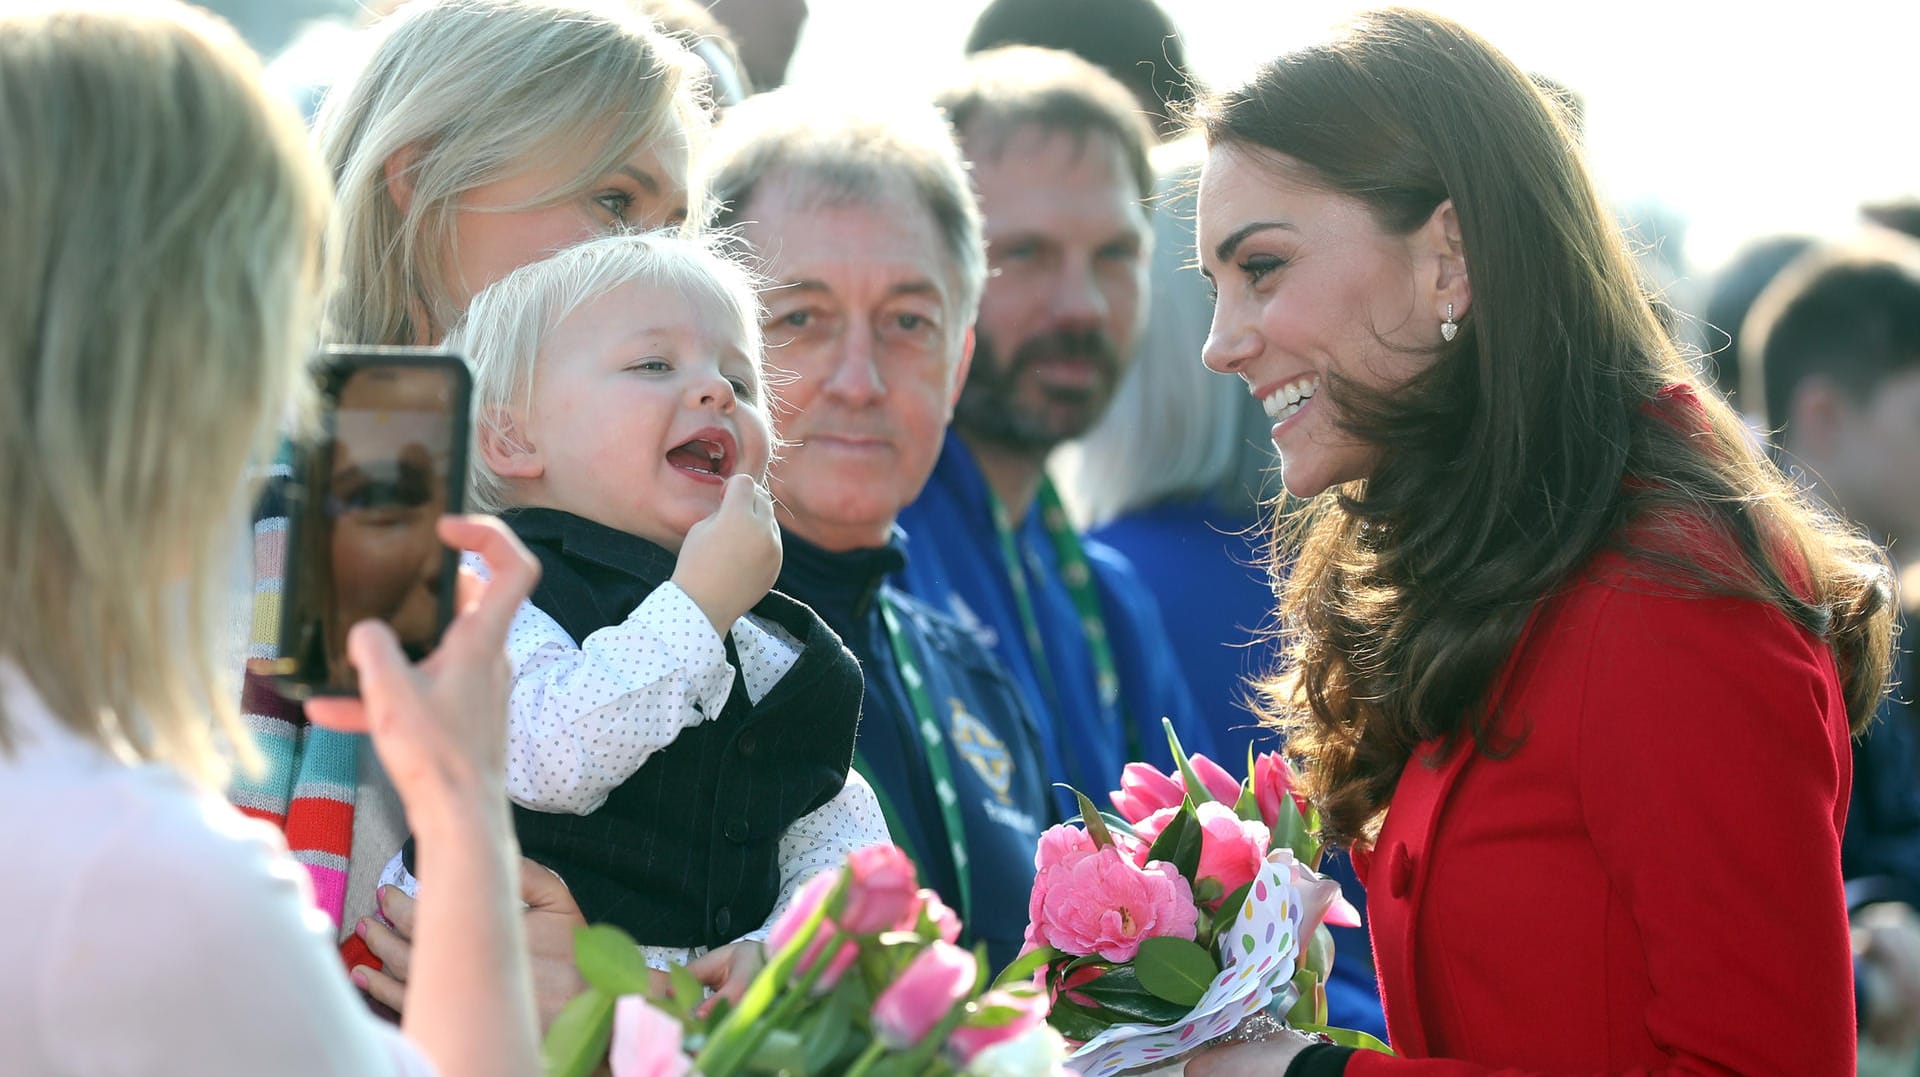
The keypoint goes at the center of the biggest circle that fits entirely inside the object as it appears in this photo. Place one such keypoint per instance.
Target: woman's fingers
(381, 987)
(394, 952)
(512, 571)
(386, 676)
(338, 713)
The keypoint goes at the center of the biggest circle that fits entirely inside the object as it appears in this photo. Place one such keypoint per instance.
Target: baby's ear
(505, 448)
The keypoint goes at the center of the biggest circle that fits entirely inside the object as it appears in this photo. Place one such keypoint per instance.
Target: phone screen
(389, 462)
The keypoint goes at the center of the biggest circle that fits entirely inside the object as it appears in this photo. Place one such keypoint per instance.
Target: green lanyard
(926, 721)
(1077, 574)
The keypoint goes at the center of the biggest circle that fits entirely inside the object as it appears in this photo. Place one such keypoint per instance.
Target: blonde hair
(875, 156)
(478, 89)
(507, 324)
(163, 240)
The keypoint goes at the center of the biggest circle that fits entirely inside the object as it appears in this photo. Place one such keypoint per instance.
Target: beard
(1005, 404)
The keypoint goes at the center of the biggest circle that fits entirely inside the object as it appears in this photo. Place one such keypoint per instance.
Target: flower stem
(867, 1058)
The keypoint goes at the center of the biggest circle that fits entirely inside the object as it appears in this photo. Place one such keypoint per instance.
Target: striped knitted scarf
(308, 786)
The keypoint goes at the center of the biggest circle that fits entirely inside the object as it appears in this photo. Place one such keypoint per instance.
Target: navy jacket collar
(839, 585)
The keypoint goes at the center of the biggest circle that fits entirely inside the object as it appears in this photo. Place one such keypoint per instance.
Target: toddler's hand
(728, 970)
(730, 559)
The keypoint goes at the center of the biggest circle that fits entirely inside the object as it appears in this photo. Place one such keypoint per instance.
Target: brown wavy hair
(1530, 444)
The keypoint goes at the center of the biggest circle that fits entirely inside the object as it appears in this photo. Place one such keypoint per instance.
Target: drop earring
(1449, 328)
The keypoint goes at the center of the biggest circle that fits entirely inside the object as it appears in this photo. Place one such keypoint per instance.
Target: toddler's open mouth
(707, 453)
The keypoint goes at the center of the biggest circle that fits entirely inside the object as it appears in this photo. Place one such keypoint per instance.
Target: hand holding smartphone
(389, 459)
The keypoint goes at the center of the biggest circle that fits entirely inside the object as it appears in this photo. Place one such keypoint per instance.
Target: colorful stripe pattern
(308, 787)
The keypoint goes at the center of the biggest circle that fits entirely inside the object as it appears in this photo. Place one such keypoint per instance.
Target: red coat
(1651, 883)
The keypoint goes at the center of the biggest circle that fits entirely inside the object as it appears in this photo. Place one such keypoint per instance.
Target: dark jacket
(686, 851)
(989, 737)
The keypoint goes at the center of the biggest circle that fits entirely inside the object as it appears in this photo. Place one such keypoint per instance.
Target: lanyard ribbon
(1077, 575)
(926, 722)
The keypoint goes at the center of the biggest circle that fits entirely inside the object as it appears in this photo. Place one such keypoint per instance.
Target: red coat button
(1400, 872)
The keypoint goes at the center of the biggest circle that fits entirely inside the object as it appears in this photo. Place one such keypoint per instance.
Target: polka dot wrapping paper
(1257, 954)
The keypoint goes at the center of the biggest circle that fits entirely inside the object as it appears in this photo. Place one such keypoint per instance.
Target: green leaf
(1025, 966)
(1348, 1037)
(1179, 843)
(1196, 789)
(1248, 806)
(1076, 1022)
(1177, 970)
(1121, 994)
(577, 1043)
(829, 1033)
(1320, 952)
(1311, 1005)
(610, 960)
(1230, 908)
(688, 993)
(782, 1051)
(1091, 819)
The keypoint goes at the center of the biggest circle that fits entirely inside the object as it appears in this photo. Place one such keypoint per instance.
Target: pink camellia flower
(1273, 779)
(1101, 902)
(1059, 848)
(1058, 843)
(809, 897)
(941, 976)
(882, 893)
(646, 1041)
(970, 1038)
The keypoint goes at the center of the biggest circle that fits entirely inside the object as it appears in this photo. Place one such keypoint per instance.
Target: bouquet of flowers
(1192, 910)
(863, 978)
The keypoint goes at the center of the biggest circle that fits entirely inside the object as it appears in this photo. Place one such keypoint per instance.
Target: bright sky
(1745, 118)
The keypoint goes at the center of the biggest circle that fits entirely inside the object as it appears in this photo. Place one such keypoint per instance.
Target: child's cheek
(756, 445)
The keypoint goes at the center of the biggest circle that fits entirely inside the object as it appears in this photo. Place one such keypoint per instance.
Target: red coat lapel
(1398, 867)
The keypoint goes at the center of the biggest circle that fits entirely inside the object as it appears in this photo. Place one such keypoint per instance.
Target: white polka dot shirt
(583, 718)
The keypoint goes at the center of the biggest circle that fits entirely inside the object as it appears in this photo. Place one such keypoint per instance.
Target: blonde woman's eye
(910, 322)
(617, 204)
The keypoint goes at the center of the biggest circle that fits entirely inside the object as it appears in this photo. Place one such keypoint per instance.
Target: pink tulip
(1222, 786)
(1273, 779)
(970, 1038)
(881, 891)
(1231, 848)
(935, 981)
(646, 1041)
(1143, 791)
(810, 896)
(1102, 902)
(1148, 829)
(945, 920)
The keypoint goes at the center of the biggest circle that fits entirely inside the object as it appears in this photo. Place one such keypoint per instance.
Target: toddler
(679, 736)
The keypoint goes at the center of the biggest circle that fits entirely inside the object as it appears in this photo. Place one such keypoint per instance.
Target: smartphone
(388, 459)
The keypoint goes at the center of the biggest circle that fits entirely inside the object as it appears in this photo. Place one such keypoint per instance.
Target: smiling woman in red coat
(1572, 667)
